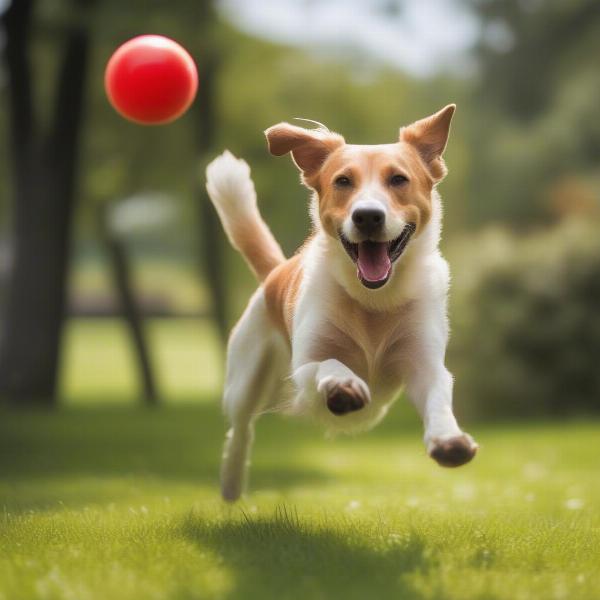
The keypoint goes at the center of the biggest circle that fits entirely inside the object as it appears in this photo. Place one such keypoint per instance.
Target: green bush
(526, 315)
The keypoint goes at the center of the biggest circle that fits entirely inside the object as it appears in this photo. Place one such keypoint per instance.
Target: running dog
(360, 310)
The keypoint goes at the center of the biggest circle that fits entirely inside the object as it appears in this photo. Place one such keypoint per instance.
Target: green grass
(119, 503)
(99, 364)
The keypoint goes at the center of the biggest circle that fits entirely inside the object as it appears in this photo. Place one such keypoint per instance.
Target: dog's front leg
(429, 387)
(333, 383)
(321, 380)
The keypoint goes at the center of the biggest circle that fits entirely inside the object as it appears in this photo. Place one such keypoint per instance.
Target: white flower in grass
(574, 503)
(353, 505)
(464, 491)
(534, 471)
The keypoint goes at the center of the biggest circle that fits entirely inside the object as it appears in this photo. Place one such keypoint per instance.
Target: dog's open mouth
(374, 259)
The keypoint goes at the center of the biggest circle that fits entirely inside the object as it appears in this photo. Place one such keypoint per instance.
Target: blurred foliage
(528, 123)
(527, 126)
(536, 115)
(526, 323)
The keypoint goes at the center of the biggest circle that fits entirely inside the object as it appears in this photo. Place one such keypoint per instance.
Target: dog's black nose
(368, 220)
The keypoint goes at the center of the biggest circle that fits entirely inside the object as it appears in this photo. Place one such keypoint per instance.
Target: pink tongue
(373, 261)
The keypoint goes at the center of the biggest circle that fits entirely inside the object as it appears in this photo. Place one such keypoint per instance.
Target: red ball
(151, 80)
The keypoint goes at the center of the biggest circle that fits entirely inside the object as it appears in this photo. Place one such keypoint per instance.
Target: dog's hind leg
(254, 359)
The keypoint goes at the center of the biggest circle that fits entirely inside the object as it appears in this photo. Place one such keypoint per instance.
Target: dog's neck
(327, 261)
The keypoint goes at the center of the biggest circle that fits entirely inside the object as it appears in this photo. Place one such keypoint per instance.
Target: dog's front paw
(452, 451)
(344, 396)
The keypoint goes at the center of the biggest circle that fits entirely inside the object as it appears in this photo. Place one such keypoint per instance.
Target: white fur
(257, 359)
(232, 192)
(418, 286)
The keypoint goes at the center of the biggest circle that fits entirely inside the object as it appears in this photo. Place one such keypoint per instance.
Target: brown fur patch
(258, 247)
(309, 148)
(281, 290)
(429, 136)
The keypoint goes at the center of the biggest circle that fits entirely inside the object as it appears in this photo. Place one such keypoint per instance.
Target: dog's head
(373, 199)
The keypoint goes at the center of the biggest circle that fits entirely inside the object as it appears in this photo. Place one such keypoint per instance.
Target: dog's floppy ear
(309, 147)
(429, 136)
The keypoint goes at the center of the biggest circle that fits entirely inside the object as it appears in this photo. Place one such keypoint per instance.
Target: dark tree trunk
(211, 235)
(43, 182)
(121, 276)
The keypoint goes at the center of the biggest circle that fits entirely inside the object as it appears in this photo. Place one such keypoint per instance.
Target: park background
(118, 288)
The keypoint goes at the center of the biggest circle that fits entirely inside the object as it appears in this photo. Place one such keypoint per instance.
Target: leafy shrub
(527, 322)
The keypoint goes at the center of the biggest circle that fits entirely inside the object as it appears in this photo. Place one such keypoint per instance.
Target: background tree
(44, 168)
(46, 165)
(535, 114)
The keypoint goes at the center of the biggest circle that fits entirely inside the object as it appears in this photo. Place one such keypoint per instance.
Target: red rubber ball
(151, 80)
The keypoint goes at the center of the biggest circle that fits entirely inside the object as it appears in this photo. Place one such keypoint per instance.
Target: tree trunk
(121, 276)
(211, 237)
(44, 180)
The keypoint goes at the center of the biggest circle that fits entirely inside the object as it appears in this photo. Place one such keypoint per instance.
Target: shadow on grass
(178, 444)
(68, 455)
(280, 557)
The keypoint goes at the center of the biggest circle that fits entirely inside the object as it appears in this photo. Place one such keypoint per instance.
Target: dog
(360, 310)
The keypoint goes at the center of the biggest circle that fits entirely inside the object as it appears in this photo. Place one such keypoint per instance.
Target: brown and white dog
(360, 310)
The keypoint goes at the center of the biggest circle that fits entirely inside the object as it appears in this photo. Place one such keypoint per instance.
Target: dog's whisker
(320, 127)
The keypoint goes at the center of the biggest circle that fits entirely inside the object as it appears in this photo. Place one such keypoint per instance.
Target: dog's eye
(342, 181)
(397, 180)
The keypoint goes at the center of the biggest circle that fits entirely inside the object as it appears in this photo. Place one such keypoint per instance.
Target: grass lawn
(115, 502)
(99, 364)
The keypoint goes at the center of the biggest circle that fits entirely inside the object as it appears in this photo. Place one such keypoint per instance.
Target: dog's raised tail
(232, 192)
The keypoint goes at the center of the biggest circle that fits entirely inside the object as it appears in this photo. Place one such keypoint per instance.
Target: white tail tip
(228, 182)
